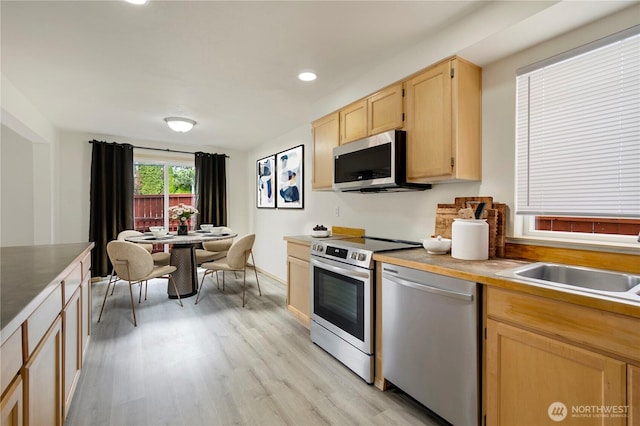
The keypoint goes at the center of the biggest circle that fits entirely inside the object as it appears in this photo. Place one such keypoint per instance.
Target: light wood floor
(216, 363)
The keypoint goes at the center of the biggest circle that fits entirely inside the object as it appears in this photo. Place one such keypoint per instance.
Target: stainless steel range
(342, 298)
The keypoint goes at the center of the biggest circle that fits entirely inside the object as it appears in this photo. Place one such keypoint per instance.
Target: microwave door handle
(342, 271)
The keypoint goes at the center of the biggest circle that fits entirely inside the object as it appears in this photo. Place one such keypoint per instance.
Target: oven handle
(427, 288)
(339, 270)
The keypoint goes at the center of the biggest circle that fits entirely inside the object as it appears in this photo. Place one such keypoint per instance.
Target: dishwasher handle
(428, 288)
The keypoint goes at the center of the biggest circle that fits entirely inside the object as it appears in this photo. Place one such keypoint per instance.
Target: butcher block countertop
(483, 272)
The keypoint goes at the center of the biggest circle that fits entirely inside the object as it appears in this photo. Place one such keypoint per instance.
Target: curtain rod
(160, 149)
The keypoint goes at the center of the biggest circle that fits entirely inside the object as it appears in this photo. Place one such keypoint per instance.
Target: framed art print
(266, 182)
(290, 177)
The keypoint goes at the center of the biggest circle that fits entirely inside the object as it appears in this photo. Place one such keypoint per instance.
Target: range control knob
(354, 255)
(362, 256)
(320, 248)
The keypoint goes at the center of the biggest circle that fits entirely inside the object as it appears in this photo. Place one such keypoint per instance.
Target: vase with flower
(182, 213)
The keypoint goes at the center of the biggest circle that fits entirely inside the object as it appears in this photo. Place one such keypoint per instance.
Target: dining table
(183, 257)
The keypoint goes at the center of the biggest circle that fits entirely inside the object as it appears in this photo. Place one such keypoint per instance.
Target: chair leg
(176, 289)
(115, 279)
(106, 293)
(146, 287)
(244, 283)
(253, 261)
(218, 280)
(201, 285)
(133, 309)
(140, 293)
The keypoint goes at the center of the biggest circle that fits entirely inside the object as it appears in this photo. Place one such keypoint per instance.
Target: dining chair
(213, 250)
(236, 260)
(134, 264)
(160, 258)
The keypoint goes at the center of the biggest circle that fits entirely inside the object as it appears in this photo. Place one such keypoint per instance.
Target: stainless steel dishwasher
(430, 340)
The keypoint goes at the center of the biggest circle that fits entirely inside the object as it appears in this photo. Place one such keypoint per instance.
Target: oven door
(342, 301)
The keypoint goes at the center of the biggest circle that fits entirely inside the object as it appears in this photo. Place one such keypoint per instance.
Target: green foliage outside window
(149, 179)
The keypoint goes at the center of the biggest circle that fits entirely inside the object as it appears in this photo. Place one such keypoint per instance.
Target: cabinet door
(326, 136)
(353, 122)
(11, 410)
(299, 289)
(633, 392)
(428, 123)
(528, 373)
(85, 322)
(384, 110)
(72, 327)
(43, 380)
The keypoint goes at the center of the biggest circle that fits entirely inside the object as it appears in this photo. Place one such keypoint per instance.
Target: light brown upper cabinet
(444, 123)
(385, 110)
(375, 114)
(353, 121)
(326, 136)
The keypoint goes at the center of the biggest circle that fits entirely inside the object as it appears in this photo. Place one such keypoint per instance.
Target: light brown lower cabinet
(530, 372)
(71, 321)
(11, 406)
(299, 282)
(549, 362)
(85, 323)
(43, 380)
(633, 386)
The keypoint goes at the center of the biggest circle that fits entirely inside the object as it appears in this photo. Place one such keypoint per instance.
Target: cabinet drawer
(10, 359)
(71, 283)
(42, 318)
(298, 250)
(579, 324)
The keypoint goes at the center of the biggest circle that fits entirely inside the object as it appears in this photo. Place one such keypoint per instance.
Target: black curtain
(111, 199)
(211, 188)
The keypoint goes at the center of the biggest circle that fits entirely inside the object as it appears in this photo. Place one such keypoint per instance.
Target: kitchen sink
(589, 279)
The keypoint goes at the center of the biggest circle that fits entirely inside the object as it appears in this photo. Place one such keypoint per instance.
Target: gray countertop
(28, 274)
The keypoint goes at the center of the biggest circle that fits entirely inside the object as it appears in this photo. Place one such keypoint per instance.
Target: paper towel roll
(470, 239)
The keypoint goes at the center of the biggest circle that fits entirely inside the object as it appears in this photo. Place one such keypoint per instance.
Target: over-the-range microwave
(377, 163)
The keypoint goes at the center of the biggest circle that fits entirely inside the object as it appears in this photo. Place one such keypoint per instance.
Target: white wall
(16, 184)
(412, 215)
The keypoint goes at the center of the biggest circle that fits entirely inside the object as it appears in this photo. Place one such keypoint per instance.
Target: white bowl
(206, 227)
(156, 228)
(159, 233)
(437, 245)
(320, 234)
(216, 230)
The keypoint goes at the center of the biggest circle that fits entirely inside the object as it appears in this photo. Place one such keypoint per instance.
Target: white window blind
(578, 131)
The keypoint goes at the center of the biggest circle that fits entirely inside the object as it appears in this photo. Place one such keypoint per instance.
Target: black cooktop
(373, 244)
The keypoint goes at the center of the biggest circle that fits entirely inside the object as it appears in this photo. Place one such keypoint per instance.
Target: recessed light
(138, 2)
(307, 76)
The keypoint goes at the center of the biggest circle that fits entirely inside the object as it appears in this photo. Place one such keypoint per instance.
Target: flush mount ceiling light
(138, 2)
(179, 124)
(307, 76)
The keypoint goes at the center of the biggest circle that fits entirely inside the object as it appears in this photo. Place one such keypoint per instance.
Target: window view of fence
(149, 210)
(612, 226)
(149, 207)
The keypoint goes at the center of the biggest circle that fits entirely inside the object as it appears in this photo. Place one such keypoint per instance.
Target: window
(159, 184)
(578, 140)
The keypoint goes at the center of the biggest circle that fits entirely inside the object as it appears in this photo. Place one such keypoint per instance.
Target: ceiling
(112, 68)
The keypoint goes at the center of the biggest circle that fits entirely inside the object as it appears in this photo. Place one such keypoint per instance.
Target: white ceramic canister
(470, 239)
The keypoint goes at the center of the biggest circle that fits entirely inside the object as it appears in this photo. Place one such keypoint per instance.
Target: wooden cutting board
(495, 214)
